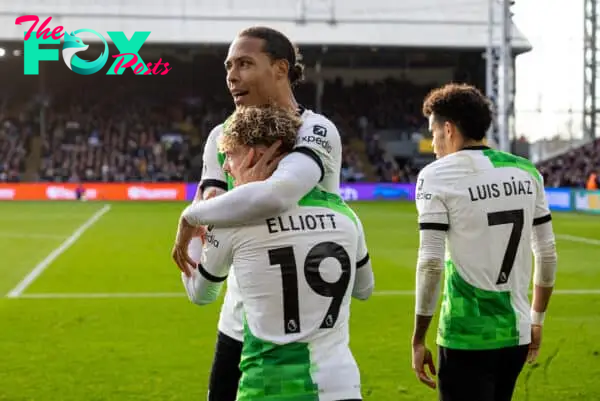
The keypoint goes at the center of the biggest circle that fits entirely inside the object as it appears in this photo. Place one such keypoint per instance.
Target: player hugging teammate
(296, 334)
(262, 68)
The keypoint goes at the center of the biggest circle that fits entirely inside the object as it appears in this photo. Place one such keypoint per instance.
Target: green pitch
(107, 318)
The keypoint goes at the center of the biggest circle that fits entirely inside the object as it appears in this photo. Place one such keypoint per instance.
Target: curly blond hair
(261, 125)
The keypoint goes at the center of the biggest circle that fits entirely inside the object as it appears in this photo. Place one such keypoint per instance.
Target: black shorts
(225, 373)
(487, 375)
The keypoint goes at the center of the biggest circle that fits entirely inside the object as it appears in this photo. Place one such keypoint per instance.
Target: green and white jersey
(487, 201)
(318, 138)
(295, 274)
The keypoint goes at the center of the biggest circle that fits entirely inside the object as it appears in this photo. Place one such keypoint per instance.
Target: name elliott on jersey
(308, 222)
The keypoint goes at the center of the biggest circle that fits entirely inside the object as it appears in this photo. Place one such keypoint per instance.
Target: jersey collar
(478, 147)
(301, 109)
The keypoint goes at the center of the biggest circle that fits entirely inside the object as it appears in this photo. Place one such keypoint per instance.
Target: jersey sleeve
(320, 140)
(542, 213)
(365, 280)
(212, 170)
(433, 213)
(214, 260)
(294, 177)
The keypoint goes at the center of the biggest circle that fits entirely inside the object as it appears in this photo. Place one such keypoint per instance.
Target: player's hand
(536, 343)
(209, 193)
(421, 356)
(199, 231)
(261, 170)
(185, 232)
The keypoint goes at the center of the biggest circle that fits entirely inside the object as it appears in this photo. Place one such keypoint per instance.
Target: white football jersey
(295, 274)
(318, 138)
(488, 201)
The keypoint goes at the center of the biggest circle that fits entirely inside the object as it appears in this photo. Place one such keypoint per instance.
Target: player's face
(251, 75)
(234, 159)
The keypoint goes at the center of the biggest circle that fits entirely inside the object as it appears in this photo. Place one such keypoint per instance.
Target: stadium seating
(14, 138)
(147, 133)
(572, 169)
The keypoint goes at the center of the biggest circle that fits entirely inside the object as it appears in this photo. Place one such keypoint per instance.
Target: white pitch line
(40, 267)
(125, 295)
(30, 236)
(105, 295)
(574, 238)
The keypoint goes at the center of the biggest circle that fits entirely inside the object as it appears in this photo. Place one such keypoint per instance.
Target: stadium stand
(154, 130)
(138, 132)
(14, 139)
(158, 134)
(573, 168)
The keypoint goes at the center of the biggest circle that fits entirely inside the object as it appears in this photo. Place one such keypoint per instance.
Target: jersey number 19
(286, 259)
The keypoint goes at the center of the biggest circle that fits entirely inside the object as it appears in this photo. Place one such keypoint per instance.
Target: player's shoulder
(505, 159)
(317, 124)
(441, 169)
(218, 129)
(216, 132)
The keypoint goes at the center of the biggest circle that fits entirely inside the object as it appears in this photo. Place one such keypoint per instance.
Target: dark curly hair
(279, 47)
(463, 105)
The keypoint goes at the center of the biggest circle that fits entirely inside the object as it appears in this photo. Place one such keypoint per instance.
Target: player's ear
(450, 129)
(447, 128)
(281, 68)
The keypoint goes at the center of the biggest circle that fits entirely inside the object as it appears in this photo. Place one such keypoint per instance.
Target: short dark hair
(462, 104)
(279, 47)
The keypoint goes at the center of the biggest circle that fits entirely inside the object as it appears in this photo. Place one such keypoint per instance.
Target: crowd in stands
(352, 167)
(574, 168)
(13, 142)
(138, 132)
(139, 146)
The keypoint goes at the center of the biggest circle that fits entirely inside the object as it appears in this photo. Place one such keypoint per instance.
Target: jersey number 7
(516, 218)
(286, 259)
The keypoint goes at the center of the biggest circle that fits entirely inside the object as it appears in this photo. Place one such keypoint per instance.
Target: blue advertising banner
(586, 201)
(559, 199)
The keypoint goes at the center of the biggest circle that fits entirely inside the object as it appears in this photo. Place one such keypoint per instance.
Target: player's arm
(213, 180)
(433, 226)
(216, 257)
(295, 176)
(544, 250)
(365, 280)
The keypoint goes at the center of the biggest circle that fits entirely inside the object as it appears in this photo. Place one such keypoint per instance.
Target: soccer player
(262, 67)
(489, 209)
(296, 273)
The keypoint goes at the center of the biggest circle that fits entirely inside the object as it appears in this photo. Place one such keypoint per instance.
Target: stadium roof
(405, 23)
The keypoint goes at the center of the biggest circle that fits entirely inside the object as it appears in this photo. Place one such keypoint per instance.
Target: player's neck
(287, 100)
(471, 144)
